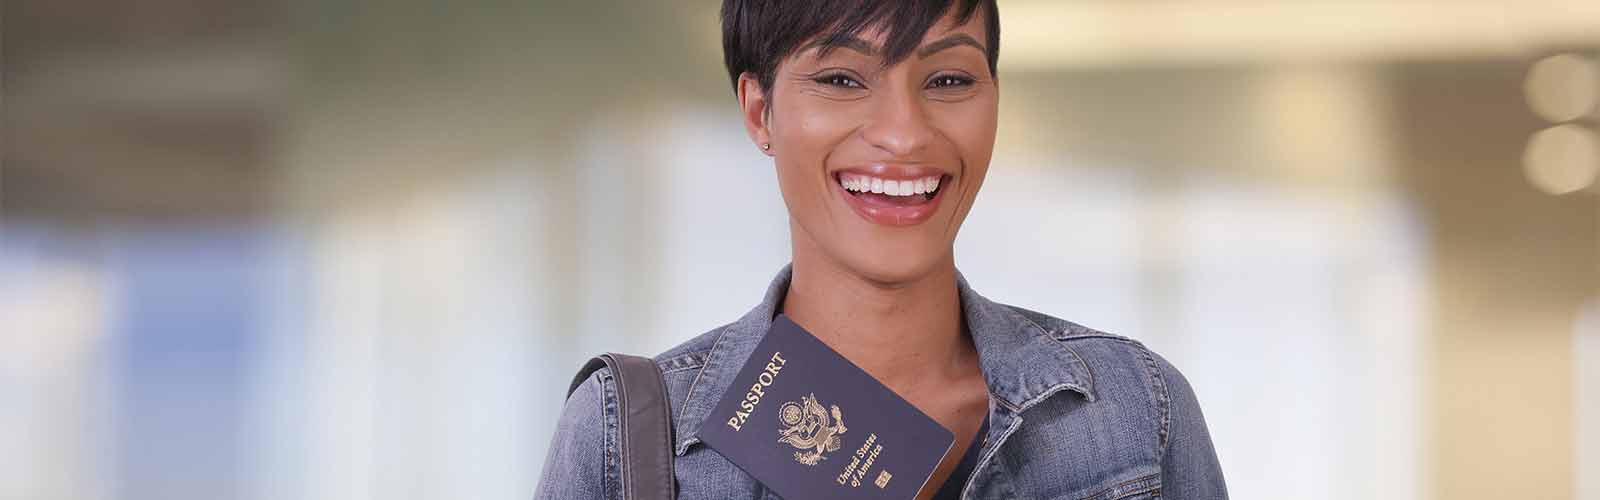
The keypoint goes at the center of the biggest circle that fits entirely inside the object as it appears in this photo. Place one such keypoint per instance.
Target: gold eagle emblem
(807, 425)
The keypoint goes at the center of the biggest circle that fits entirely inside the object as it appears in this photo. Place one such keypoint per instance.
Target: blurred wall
(1513, 268)
(356, 249)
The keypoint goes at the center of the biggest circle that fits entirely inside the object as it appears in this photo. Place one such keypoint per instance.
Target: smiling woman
(880, 118)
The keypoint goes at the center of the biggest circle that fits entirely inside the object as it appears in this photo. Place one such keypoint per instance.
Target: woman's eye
(949, 81)
(839, 81)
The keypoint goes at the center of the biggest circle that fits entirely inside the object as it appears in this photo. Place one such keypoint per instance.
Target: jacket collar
(1022, 362)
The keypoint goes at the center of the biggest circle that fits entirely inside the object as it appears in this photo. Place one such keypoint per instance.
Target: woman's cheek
(823, 126)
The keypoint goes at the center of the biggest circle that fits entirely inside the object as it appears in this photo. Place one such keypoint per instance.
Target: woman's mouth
(896, 200)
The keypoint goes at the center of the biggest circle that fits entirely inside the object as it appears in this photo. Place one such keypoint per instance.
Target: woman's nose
(899, 125)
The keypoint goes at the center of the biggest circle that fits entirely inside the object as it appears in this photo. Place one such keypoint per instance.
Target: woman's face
(879, 165)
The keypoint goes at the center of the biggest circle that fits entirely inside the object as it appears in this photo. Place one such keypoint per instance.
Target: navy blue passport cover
(808, 423)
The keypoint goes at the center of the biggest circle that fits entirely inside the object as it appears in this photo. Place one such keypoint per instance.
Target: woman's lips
(903, 198)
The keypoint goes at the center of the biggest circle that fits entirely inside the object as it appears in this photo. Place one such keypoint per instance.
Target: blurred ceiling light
(1562, 159)
(1052, 34)
(1563, 87)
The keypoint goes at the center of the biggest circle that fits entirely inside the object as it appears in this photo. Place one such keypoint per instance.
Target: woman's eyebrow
(851, 43)
(957, 39)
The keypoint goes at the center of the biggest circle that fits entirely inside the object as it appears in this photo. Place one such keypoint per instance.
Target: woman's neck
(907, 335)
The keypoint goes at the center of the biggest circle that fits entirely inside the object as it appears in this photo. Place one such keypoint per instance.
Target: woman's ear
(753, 105)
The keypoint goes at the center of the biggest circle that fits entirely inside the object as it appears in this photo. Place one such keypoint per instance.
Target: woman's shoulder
(1078, 336)
(1112, 359)
(675, 364)
(593, 393)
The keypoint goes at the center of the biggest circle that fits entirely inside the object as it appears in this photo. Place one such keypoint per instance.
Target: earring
(766, 146)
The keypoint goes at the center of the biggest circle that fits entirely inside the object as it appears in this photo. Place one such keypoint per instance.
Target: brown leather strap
(645, 419)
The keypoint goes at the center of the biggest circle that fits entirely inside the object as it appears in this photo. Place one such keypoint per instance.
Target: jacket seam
(681, 369)
(1067, 336)
(1163, 403)
(1070, 330)
(678, 443)
(987, 457)
(684, 362)
(608, 436)
(721, 334)
(1128, 488)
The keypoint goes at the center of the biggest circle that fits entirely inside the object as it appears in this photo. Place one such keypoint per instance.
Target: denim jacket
(1074, 414)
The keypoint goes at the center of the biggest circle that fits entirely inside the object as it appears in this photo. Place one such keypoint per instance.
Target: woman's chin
(885, 258)
(895, 269)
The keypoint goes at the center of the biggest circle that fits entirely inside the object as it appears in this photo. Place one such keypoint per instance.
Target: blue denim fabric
(1074, 413)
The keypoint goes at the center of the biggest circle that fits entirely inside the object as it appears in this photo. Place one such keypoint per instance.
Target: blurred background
(355, 249)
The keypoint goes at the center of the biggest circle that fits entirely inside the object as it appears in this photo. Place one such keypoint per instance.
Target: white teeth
(893, 187)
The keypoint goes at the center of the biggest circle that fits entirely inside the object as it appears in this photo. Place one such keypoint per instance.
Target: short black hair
(757, 34)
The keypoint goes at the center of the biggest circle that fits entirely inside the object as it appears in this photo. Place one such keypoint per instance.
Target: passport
(808, 423)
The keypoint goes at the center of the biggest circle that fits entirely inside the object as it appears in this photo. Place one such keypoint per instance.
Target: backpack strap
(645, 419)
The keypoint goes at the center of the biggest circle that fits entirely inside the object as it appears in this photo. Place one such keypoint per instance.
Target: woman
(880, 117)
